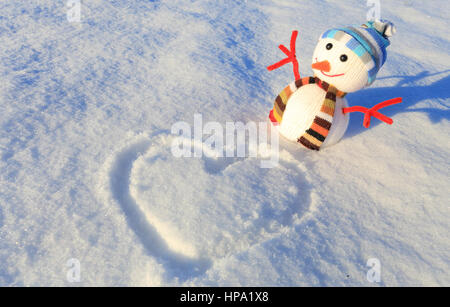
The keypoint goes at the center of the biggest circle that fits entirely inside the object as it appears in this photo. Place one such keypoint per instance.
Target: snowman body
(301, 109)
(336, 65)
(313, 111)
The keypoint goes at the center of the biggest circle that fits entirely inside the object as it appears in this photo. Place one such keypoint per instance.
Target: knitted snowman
(313, 111)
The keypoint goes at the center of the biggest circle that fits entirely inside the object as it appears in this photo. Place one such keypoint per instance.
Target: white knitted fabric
(355, 71)
(340, 124)
(302, 108)
(304, 104)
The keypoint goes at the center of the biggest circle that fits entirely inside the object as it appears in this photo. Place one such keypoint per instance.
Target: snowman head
(350, 58)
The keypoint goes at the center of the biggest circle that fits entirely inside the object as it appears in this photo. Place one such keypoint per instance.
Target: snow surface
(87, 173)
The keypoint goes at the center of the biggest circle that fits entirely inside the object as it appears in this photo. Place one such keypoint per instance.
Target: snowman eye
(344, 58)
(329, 46)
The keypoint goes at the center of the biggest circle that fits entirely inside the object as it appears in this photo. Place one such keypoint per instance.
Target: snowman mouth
(320, 66)
(332, 76)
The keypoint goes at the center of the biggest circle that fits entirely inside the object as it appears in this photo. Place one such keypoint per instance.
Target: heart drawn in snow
(190, 211)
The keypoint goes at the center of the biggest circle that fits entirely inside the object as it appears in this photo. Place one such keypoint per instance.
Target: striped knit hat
(369, 42)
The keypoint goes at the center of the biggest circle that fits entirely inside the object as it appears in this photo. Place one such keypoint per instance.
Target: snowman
(313, 111)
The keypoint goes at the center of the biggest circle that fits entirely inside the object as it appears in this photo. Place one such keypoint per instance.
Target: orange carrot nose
(323, 66)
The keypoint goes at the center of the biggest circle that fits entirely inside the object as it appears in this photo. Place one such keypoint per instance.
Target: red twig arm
(291, 57)
(387, 103)
(368, 113)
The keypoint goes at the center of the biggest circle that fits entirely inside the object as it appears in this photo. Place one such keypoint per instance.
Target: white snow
(87, 172)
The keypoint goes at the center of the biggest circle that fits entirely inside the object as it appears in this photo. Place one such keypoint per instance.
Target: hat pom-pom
(385, 28)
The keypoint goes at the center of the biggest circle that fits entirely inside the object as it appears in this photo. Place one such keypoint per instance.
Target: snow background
(86, 173)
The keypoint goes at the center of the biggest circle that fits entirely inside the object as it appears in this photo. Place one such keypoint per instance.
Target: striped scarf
(314, 137)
